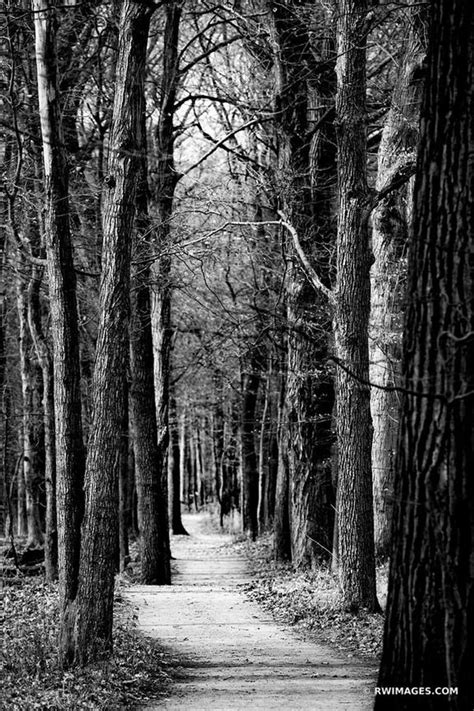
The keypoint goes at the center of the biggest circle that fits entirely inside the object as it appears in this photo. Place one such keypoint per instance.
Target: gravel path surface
(229, 653)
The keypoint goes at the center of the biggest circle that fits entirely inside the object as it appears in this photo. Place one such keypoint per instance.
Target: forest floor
(225, 650)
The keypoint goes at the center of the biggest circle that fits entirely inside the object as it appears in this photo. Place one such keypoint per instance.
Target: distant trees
(430, 610)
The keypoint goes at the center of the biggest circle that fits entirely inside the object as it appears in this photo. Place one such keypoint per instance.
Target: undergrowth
(311, 602)
(31, 677)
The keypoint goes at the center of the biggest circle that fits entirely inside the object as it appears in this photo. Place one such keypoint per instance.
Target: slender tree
(29, 468)
(163, 194)
(176, 483)
(44, 355)
(429, 630)
(251, 365)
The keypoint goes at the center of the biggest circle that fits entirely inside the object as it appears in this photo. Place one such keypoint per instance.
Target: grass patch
(311, 602)
(31, 677)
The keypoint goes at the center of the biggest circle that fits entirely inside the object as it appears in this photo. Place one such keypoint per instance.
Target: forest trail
(228, 653)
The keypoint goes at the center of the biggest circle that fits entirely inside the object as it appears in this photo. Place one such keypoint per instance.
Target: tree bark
(43, 352)
(124, 515)
(176, 521)
(351, 316)
(282, 538)
(94, 604)
(64, 322)
(251, 376)
(150, 460)
(28, 469)
(390, 224)
(163, 194)
(429, 630)
(218, 437)
(309, 391)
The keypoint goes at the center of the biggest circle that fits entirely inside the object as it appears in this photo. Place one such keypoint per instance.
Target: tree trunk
(163, 194)
(43, 353)
(264, 445)
(124, 516)
(34, 535)
(309, 391)
(251, 376)
(176, 522)
(354, 427)
(268, 454)
(5, 514)
(429, 630)
(150, 460)
(281, 539)
(94, 605)
(218, 437)
(197, 466)
(69, 445)
(390, 222)
(183, 459)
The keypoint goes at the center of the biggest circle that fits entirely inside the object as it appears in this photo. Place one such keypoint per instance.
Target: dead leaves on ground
(31, 678)
(311, 601)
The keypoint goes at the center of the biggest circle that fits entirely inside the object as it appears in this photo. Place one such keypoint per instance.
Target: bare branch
(228, 136)
(205, 54)
(308, 269)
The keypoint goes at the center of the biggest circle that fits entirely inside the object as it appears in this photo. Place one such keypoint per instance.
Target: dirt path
(231, 654)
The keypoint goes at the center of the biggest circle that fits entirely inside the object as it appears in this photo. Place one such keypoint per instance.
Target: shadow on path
(232, 655)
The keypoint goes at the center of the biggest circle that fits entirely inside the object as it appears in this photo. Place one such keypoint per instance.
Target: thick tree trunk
(390, 222)
(354, 427)
(4, 498)
(150, 460)
(64, 323)
(309, 392)
(94, 604)
(429, 630)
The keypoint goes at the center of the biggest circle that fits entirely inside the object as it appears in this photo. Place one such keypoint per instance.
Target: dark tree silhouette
(429, 631)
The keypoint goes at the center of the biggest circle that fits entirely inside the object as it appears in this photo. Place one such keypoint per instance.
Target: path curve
(230, 654)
